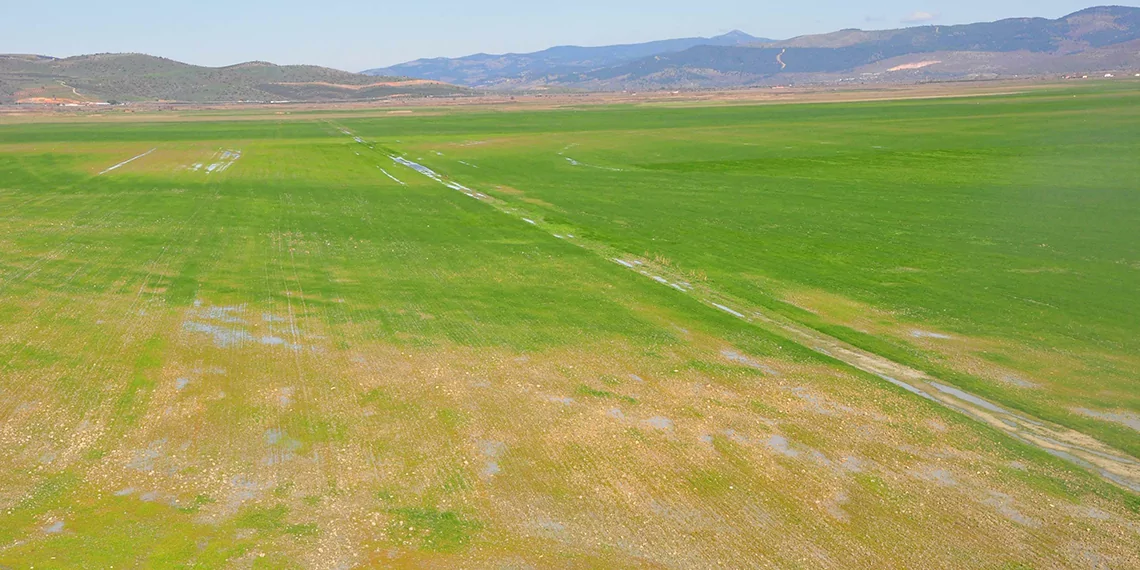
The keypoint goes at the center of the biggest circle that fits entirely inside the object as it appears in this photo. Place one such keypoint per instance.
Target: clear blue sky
(356, 35)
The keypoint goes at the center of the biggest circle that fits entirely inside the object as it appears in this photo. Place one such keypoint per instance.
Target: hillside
(507, 70)
(137, 77)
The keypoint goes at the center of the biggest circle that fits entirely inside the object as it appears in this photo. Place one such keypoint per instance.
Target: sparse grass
(432, 530)
(586, 391)
(262, 519)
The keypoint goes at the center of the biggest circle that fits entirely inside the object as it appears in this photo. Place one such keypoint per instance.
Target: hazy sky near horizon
(356, 35)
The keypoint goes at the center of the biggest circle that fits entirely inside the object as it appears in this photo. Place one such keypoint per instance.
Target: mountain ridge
(1100, 38)
(32, 78)
(1092, 39)
(501, 70)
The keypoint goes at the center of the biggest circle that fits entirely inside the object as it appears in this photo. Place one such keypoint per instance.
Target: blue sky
(356, 35)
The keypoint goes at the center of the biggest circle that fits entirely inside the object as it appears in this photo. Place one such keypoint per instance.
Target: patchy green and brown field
(886, 334)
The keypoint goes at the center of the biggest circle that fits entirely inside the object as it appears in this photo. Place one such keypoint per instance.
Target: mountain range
(1095, 39)
(138, 77)
(1105, 38)
(514, 69)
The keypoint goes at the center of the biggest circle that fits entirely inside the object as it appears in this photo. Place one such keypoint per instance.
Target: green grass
(589, 392)
(1006, 218)
(299, 362)
(431, 530)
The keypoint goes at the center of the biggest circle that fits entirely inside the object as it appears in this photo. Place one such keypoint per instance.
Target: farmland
(875, 334)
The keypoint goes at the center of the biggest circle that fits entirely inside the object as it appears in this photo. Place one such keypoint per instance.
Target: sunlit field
(847, 335)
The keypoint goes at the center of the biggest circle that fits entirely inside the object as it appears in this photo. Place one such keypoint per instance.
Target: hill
(507, 70)
(138, 77)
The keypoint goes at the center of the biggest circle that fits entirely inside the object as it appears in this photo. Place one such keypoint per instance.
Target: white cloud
(919, 17)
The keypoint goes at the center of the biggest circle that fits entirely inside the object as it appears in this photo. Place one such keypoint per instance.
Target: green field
(639, 336)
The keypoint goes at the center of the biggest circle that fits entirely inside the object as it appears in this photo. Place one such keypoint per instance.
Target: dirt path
(73, 90)
(1054, 439)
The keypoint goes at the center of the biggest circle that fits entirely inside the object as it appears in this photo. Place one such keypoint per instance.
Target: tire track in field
(126, 162)
(1059, 441)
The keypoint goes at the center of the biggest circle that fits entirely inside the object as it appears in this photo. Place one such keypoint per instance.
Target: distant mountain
(1105, 38)
(484, 70)
(1094, 39)
(137, 77)
(1093, 27)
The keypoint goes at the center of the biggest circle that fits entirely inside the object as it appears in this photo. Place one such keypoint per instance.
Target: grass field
(623, 336)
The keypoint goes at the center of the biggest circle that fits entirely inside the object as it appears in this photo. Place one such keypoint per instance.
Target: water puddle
(225, 326)
(732, 312)
(820, 404)
(282, 448)
(1126, 419)
(780, 444)
(491, 451)
(394, 179)
(126, 162)
(220, 162)
(144, 459)
(1004, 505)
(577, 163)
(659, 423)
(967, 397)
(738, 358)
(935, 475)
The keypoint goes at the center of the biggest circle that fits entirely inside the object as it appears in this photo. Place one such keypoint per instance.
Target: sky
(358, 35)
